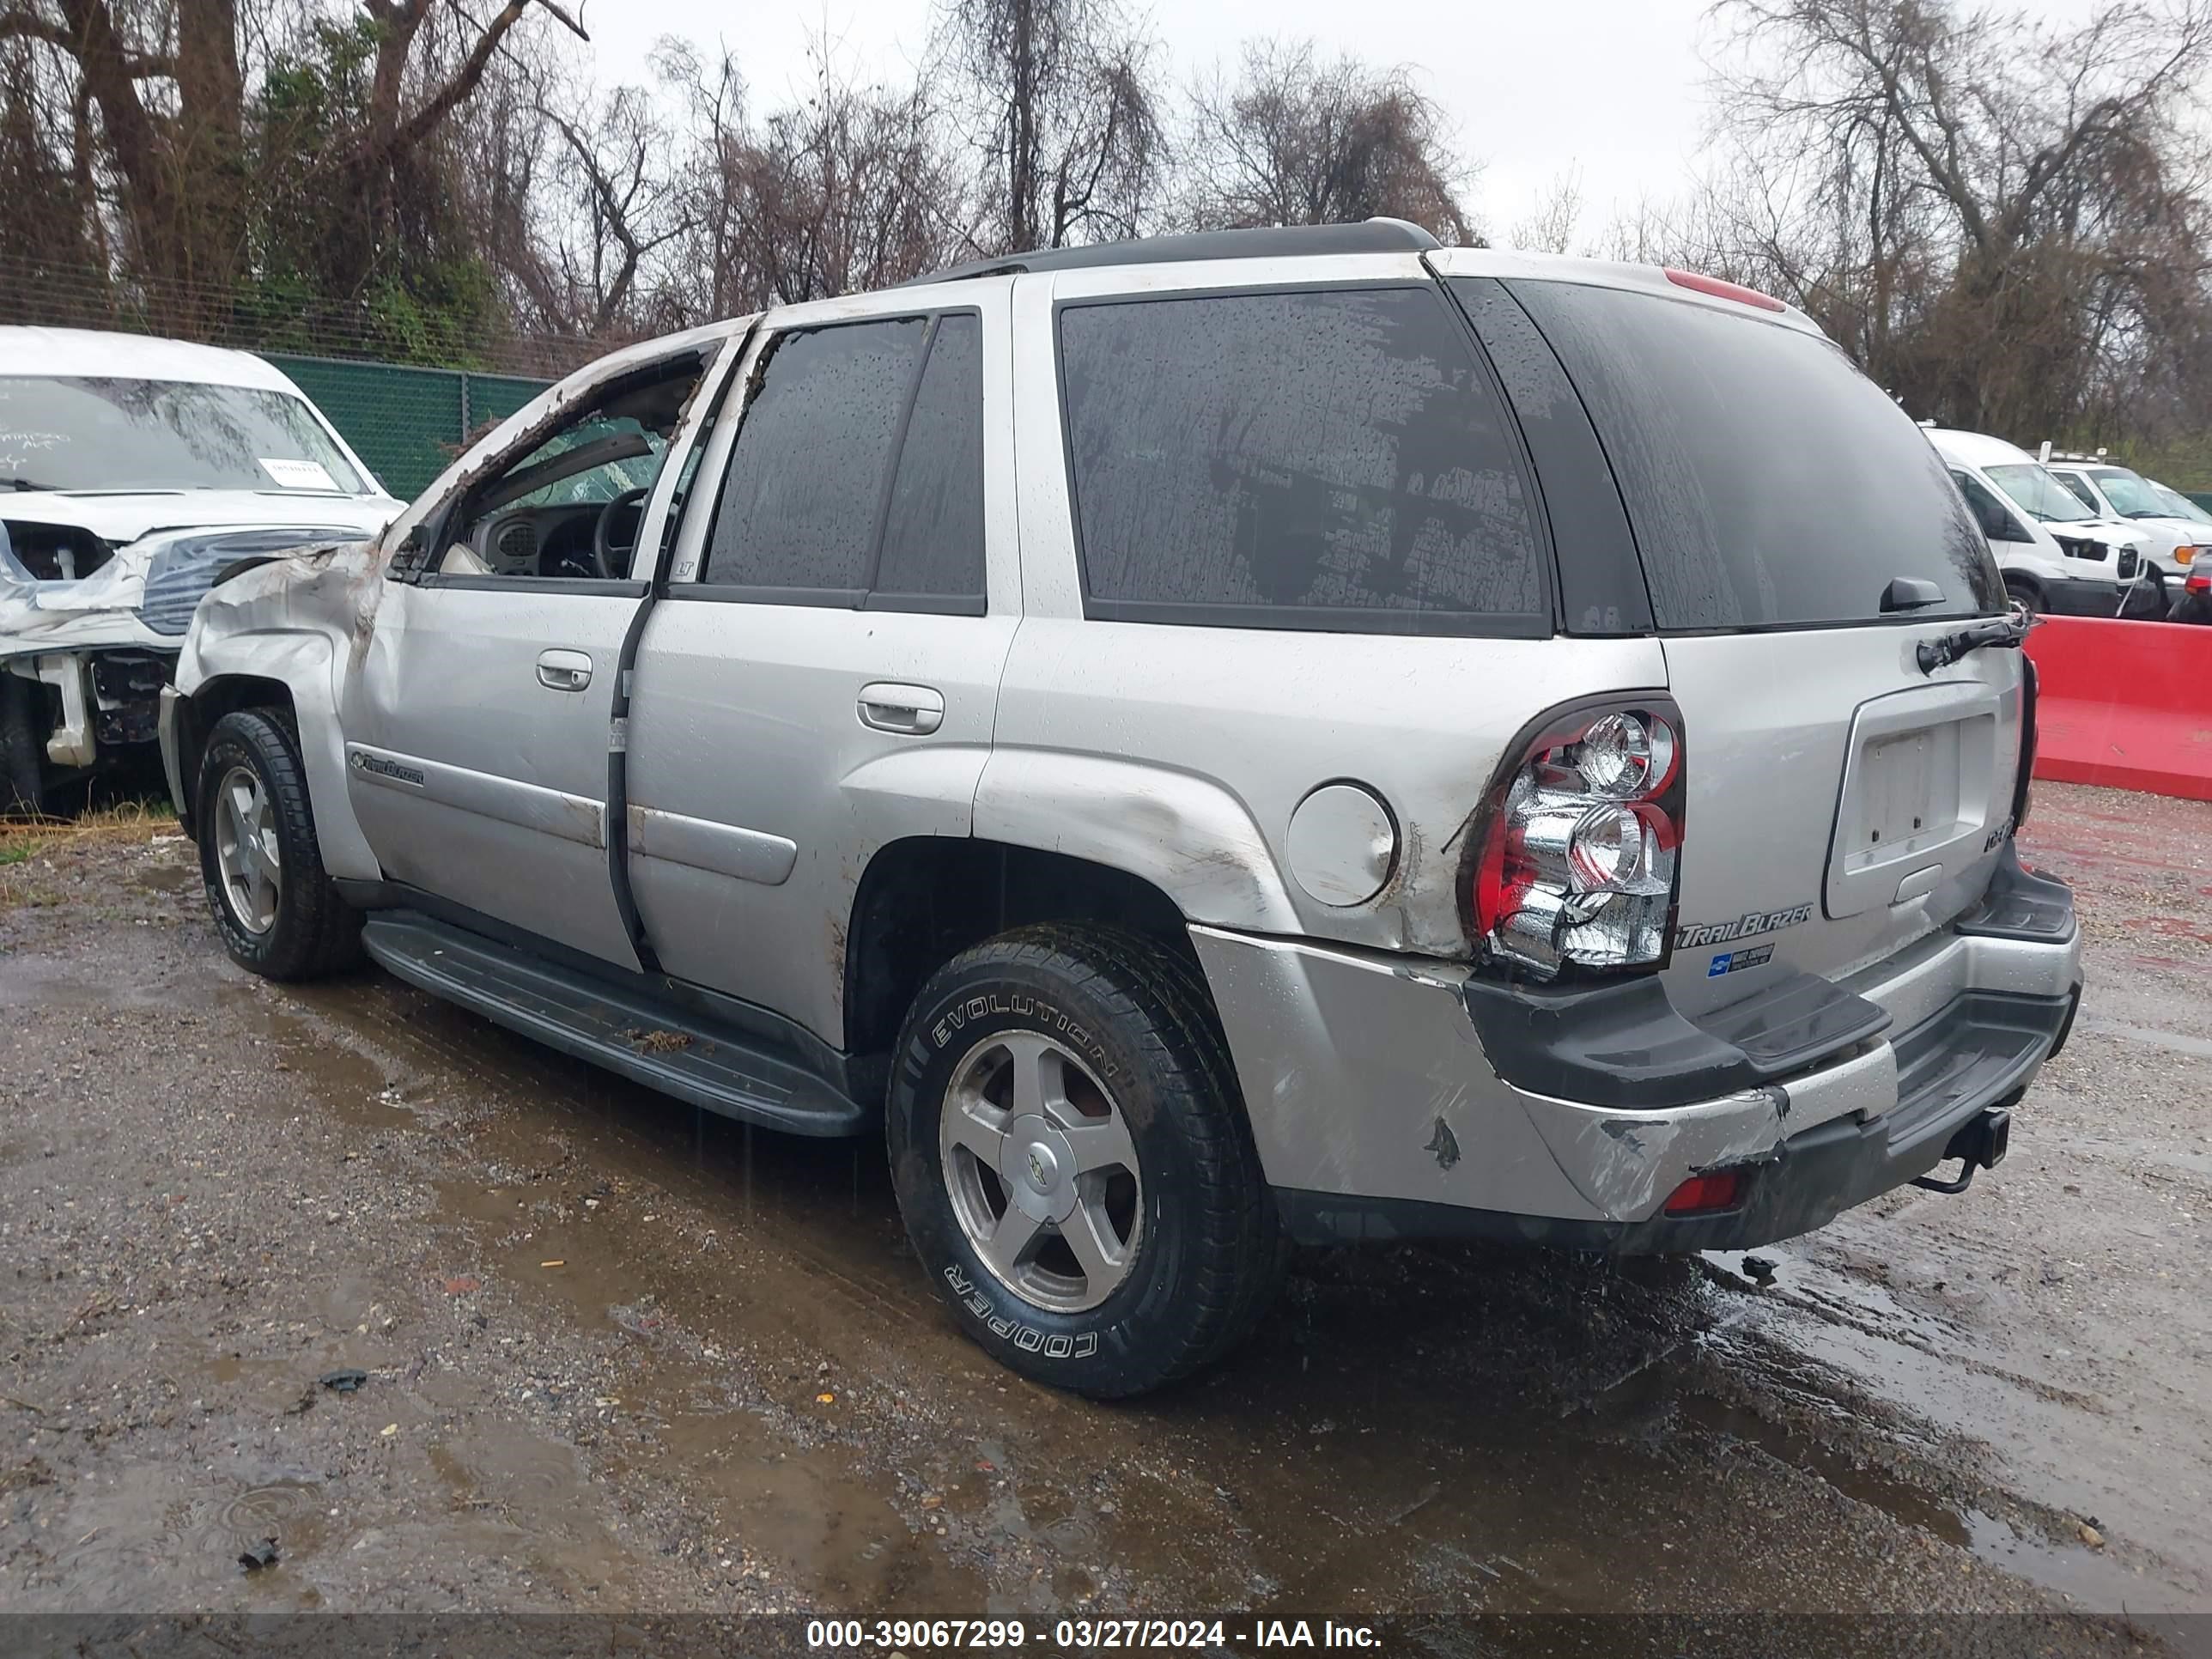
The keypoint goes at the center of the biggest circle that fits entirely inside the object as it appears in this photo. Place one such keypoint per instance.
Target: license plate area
(1917, 796)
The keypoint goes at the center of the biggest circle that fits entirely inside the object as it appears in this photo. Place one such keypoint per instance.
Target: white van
(2057, 555)
(132, 472)
(2168, 538)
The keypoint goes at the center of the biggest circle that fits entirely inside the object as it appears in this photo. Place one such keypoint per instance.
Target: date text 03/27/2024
(900, 1635)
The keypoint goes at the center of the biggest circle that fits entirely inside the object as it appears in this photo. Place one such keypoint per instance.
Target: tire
(1203, 1248)
(22, 750)
(304, 930)
(2027, 596)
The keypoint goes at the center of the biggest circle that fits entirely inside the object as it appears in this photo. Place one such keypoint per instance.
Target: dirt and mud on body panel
(1799, 540)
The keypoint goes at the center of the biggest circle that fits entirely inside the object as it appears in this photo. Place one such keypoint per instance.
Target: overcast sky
(1611, 90)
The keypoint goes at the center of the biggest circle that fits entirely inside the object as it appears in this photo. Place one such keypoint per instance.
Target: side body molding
(1190, 838)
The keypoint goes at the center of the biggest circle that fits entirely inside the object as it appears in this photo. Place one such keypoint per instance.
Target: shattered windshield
(105, 433)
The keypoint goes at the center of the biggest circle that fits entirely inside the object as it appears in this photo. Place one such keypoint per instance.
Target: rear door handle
(564, 671)
(913, 711)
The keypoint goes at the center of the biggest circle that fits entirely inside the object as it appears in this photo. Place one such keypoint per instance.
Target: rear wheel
(22, 749)
(1072, 1161)
(278, 913)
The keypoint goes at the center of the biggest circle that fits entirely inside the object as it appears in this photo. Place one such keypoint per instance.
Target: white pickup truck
(132, 472)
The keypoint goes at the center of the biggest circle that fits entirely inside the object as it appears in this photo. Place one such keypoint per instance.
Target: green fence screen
(407, 424)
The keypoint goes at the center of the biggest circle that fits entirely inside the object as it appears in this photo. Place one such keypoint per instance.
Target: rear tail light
(2023, 788)
(1576, 868)
(2199, 581)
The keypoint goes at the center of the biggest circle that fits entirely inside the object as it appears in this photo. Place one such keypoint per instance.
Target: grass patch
(22, 840)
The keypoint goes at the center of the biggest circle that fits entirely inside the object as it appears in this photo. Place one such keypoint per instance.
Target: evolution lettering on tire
(980, 1008)
(1073, 1163)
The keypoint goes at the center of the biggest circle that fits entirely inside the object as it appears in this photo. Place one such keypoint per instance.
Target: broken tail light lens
(1576, 868)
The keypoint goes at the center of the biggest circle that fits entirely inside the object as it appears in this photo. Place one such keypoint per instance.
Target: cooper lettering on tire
(1073, 1163)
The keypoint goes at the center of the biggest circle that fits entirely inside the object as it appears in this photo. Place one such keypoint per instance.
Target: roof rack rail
(1276, 241)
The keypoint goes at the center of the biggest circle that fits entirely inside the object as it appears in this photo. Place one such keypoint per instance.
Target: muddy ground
(619, 1355)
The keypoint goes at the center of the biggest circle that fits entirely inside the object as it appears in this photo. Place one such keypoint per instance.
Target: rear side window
(1770, 483)
(801, 496)
(857, 474)
(1308, 459)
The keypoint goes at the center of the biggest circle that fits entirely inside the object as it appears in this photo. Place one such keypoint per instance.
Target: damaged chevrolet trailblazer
(1266, 736)
(133, 470)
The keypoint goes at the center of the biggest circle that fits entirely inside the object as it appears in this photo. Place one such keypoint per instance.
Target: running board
(644, 1039)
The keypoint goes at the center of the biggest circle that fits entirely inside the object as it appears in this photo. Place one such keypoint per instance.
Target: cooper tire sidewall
(1089, 1347)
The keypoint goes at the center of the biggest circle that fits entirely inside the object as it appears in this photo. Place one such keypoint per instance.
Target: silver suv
(1277, 736)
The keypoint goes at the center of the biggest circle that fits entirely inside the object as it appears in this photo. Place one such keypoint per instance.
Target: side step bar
(674, 1051)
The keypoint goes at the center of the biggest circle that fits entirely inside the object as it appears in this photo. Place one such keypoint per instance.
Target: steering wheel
(604, 548)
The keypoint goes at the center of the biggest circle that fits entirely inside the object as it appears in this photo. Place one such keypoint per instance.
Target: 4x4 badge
(1692, 934)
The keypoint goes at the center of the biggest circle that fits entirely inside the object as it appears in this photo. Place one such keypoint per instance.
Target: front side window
(2037, 494)
(1306, 459)
(1996, 520)
(59, 432)
(568, 507)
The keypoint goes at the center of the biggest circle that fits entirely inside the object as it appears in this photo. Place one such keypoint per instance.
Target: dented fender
(1188, 836)
(304, 621)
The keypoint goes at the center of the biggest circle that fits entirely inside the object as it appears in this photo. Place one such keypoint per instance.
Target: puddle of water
(1409, 1431)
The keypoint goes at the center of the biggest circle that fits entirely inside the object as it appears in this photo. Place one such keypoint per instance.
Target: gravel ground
(620, 1356)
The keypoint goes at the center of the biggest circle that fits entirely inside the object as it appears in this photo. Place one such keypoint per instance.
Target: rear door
(822, 675)
(1841, 802)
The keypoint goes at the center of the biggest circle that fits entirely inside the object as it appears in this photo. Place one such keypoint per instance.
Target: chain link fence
(406, 422)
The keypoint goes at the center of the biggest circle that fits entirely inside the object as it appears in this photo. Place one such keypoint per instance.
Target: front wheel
(2027, 596)
(1073, 1163)
(277, 911)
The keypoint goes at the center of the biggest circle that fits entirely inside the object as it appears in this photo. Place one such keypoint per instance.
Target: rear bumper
(1380, 1112)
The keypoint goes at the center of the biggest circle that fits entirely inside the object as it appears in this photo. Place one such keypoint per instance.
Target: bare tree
(1550, 226)
(1295, 141)
(847, 189)
(2006, 223)
(161, 89)
(1060, 104)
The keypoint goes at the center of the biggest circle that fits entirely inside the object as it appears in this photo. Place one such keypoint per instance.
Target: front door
(822, 674)
(478, 725)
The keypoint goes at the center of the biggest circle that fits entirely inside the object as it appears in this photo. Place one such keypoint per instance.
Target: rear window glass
(799, 499)
(1309, 459)
(1769, 483)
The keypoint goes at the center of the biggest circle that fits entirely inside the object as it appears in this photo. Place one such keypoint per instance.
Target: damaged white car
(132, 472)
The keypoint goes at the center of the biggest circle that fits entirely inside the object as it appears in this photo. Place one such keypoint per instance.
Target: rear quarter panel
(1180, 753)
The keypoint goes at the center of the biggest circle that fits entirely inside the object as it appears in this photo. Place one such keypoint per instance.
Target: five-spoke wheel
(1042, 1172)
(246, 850)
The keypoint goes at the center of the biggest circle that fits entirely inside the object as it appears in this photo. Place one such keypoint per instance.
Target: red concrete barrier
(2124, 704)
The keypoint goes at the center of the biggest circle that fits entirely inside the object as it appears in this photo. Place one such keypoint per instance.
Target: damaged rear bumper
(1380, 1112)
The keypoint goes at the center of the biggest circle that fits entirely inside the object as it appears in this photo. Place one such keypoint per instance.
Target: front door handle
(564, 671)
(912, 711)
